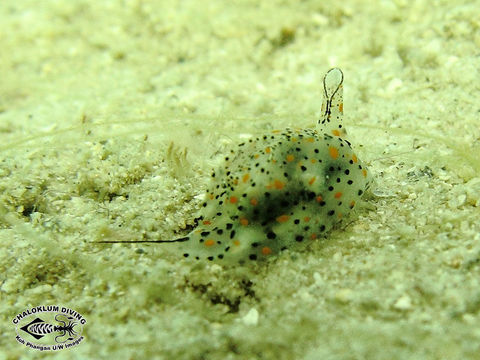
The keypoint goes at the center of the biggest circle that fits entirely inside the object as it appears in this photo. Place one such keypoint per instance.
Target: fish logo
(49, 328)
(39, 328)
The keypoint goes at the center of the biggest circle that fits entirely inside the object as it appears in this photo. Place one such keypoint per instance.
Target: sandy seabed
(112, 114)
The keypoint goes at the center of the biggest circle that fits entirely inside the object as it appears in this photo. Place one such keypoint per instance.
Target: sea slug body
(279, 189)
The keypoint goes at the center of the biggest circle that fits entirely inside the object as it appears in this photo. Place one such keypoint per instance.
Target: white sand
(92, 94)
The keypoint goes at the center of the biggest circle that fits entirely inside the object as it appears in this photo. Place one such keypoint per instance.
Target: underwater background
(113, 113)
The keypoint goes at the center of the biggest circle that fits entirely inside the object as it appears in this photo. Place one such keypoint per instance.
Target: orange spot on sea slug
(290, 158)
(354, 158)
(233, 200)
(282, 218)
(340, 107)
(306, 219)
(209, 242)
(319, 198)
(313, 236)
(266, 250)
(268, 150)
(278, 185)
(243, 221)
(254, 202)
(236, 242)
(337, 195)
(207, 222)
(312, 180)
(336, 133)
(333, 152)
(364, 172)
(245, 178)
